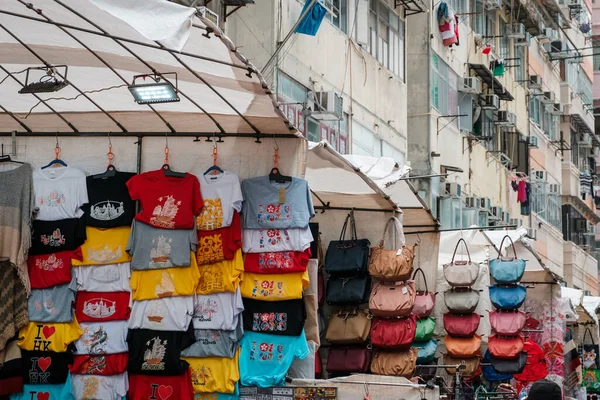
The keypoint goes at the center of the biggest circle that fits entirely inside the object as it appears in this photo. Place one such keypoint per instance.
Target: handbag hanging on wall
(349, 327)
(394, 363)
(461, 273)
(489, 373)
(507, 269)
(392, 265)
(347, 257)
(343, 359)
(461, 325)
(461, 300)
(505, 347)
(471, 365)
(392, 299)
(425, 328)
(507, 297)
(426, 351)
(462, 347)
(348, 291)
(512, 367)
(589, 352)
(507, 323)
(425, 300)
(393, 333)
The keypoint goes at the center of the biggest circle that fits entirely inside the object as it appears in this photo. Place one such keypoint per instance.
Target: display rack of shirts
(218, 310)
(59, 193)
(222, 196)
(112, 387)
(166, 314)
(220, 244)
(103, 278)
(102, 338)
(110, 204)
(104, 364)
(55, 236)
(157, 352)
(52, 269)
(214, 343)
(102, 306)
(274, 287)
(104, 246)
(143, 387)
(167, 282)
(47, 336)
(214, 374)
(53, 304)
(281, 262)
(45, 367)
(51, 392)
(222, 276)
(274, 240)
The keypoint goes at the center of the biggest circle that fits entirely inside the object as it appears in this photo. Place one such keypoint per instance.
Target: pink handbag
(508, 323)
(392, 299)
(425, 300)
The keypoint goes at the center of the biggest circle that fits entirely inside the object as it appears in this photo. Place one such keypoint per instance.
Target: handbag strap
(512, 244)
(396, 224)
(349, 217)
(587, 330)
(456, 248)
(424, 278)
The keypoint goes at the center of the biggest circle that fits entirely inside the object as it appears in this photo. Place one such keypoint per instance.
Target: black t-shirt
(109, 203)
(45, 367)
(157, 352)
(284, 317)
(53, 236)
(314, 249)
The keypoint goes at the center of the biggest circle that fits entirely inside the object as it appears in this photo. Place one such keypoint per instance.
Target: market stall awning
(576, 298)
(220, 91)
(491, 81)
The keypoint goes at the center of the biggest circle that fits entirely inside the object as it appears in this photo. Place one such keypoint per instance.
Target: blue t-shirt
(61, 391)
(265, 358)
(266, 206)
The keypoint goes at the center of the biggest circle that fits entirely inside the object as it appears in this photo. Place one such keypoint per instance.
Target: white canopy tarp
(576, 296)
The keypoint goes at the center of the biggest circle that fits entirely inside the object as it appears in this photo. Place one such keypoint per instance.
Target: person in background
(544, 390)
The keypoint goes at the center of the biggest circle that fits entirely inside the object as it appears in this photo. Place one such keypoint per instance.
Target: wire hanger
(6, 157)
(215, 169)
(275, 175)
(166, 167)
(57, 161)
(111, 171)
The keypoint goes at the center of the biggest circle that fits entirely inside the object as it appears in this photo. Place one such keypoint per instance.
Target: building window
(478, 16)
(596, 45)
(386, 37)
(503, 42)
(340, 11)
(444, 91)
(365, 143)
(545, 204)
(458, 6)
(520, 64)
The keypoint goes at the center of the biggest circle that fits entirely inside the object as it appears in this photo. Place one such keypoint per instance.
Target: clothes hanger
(6, 157)
(57, 161)
(275, 175)
(215, 169)
(166, 167)
(111, 171)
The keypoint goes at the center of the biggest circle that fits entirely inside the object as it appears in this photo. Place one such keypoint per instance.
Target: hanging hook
(57, 148)
(418, 238)
(166, 148)
(110, 155)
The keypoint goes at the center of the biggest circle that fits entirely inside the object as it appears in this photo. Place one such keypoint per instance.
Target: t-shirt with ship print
(157, 352)
(110, 204)
(166, 314)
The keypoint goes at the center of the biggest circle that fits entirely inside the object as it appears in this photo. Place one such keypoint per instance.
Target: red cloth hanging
(522, 192)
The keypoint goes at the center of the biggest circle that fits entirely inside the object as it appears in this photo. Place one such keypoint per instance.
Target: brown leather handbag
(391, 265)
(394, 363)
(392, 299)
(471, 365)
(462, 347)
(348, 327)
(505, 347)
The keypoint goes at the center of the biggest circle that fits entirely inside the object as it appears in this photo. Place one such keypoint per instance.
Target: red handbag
(425, 300)
(508, 323)
(318, 365)
(536, 367)
(348, 359)
(505, 347)
(396, 333)
(458, 325)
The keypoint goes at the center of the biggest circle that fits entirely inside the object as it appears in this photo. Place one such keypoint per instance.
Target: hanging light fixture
(158, 91)
(48, 83)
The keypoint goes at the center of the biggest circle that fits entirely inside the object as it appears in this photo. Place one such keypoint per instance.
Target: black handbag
(426, 372)
(510, 367)
(348, 291)
(348, 257)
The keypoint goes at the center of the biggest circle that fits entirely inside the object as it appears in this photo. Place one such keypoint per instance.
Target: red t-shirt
(219, 244)
(177, 387)
(105, 364)
(280, 262)
(167, 202)
(102, 306)
(52, 269)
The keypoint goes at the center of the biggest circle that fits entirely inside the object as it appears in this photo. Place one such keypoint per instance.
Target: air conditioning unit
(506, 217)
(548, 97)
(558, 109)
(517, 222)
(532, 141)
(496, 212)
(493, 4)
(490, 102)
(535, 82)
(506, 118)
(558, 49)
(574, 3)
(209, 14)
(453, 189)
(328, 106)
(526, 41)
(515, 31)
(470, 85)
(546, 34)
(585, 141)
(472, 202)
(484, 203)
(554, 188)
(532, 233)
(539, 175)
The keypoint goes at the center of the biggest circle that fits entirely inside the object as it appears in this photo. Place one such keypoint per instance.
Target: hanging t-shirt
(106, 278)
(112, 387)
(222, 196)
(53, 304)
(105, 246)
(273, 205)
(157, 352)
(214, 343)
(214, 374)
(154, 248)
(55, 236)
(168, 282)
(45, 367)
(274, 287)
(49, 336)
(177, 387)
(167, 314)
(105, 364)
(217, 310)
(265, 359)
(281, 262)
(276, 317)
(220, 396)
(220, 244)
(109, 203)
(270, 240)
(102, 338)
(61, 391)
(51, 269)
(102, 306)
(59, 193)
(167, 202)
(222, 276)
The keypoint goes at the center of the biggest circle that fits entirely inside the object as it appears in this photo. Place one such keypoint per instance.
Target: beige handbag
(391, 265)
(461, 273)
(471, 365)
(392, 299)
(349, 327)
(394, 363)
(461, 300)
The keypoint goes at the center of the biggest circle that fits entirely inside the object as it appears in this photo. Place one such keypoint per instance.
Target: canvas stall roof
(577, 302)
(366, 184)
(220, 90)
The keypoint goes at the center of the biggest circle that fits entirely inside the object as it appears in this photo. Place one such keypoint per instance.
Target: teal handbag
(426, 351)
(506, 270)
(425, 327)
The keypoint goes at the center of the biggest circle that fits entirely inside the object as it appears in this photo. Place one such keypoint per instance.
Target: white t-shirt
(103, 278)
(102, 338)
(113, 387)
(222, 196)
(59, 192)
(166, 314)
(217, 310)
(267, 240)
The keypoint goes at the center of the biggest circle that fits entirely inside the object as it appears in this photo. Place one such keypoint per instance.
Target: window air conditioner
(532, 233)
(515, 31)
(539, 175)
(484, 203)
(470, 85)
(209, 14)
(517, 222)
(558, 49)
(558, 109)
(554, 188)
(497, 212)
(532, 141)
(585, 141)
(526, 41)
(535, 82)
(506, 217)
(472, 202)
(574, 3)
(490, 102)
(493, 4)
(545, 35)
(548, 97)
(506, 118)
(328, 106)
(453, 189)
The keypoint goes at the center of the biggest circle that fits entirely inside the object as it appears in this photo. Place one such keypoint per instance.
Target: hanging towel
(447, 25)
(522, 192)
(312, 20)
(499, 67)
(456, 30)
(442, 12)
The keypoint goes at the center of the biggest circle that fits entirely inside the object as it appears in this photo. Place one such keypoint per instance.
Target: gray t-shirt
(53, 304)
(154, 248)
(215, 343)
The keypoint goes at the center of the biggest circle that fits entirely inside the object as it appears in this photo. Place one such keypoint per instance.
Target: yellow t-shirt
(214, 374)
(105, 246)
(49, 336)
(166, 282)
(274, 287)
(222, 276)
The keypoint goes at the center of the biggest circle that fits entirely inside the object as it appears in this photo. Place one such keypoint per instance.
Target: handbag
(426, 372)
(396, 333)
(426, 351)
(471, 365)
(394, 363)
(507, 269)
(348, 291)
(318, 365)
(349, 327)
(347, 257)
(505, 347)
(511, 367)
(392, 300)
(589, 352)
(461, 325)
(391, 265)
(461, 300)
(508, 323)
(348, 359)
(591, 380)
(507, 297)
(425, 300)
(425, 328)
(461, 273)
(462, 347)
(489, 373)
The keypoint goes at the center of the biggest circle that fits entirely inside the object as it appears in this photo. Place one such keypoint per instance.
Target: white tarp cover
(590, 304)
(87, 55)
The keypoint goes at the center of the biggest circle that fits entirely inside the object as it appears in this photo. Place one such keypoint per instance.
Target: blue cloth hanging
(312, 20)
